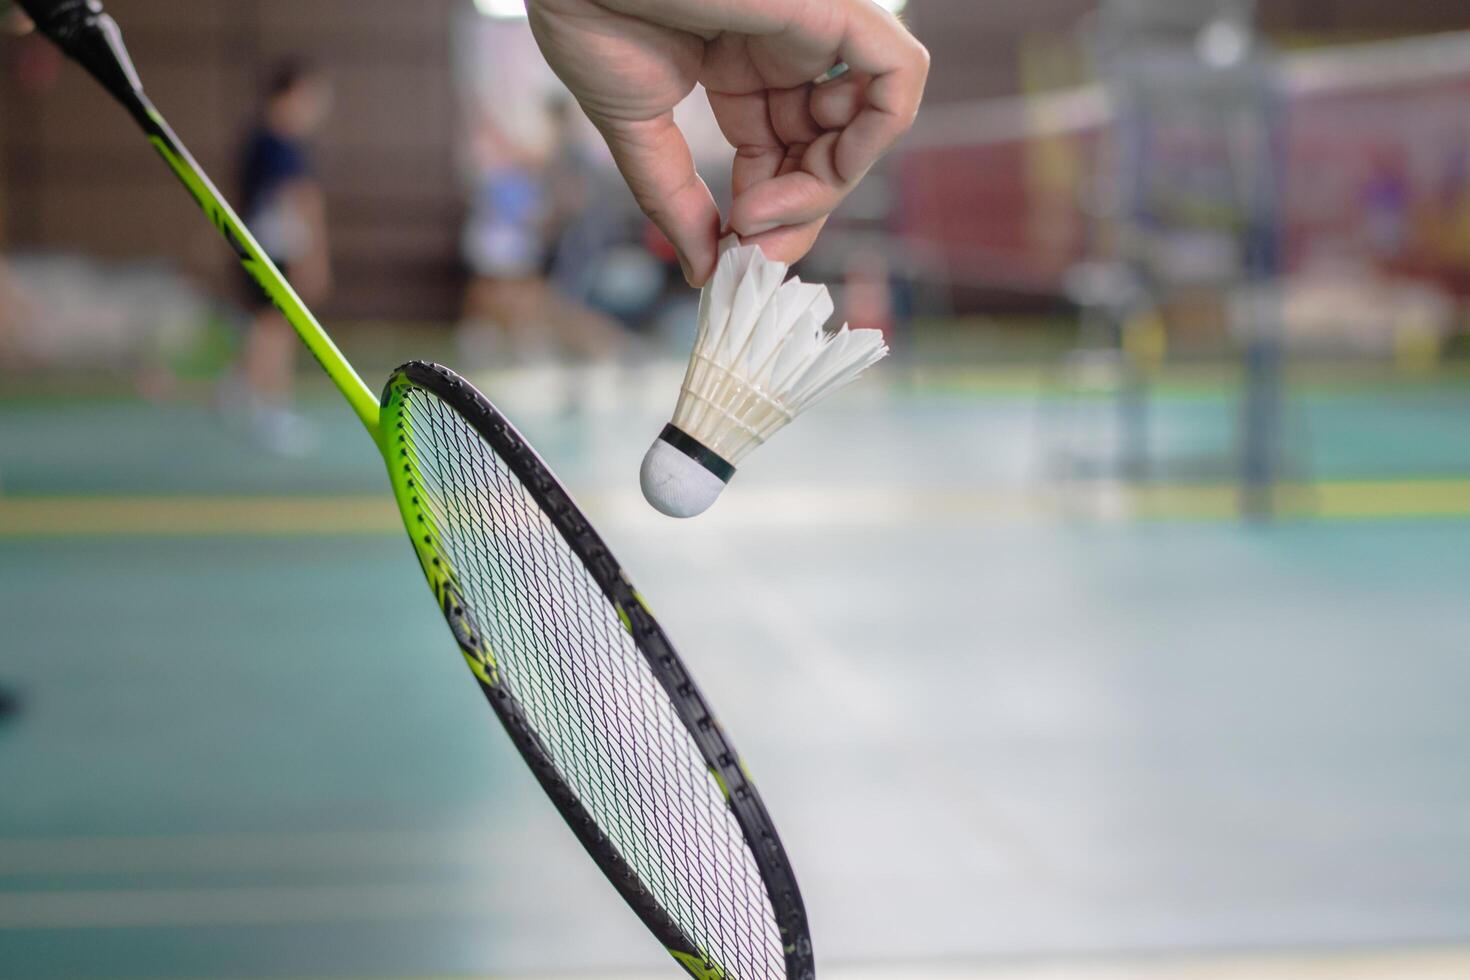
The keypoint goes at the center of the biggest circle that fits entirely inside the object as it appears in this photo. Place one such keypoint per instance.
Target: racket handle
(87, 34)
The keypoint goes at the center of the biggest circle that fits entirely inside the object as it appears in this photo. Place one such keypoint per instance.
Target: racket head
(588, 686)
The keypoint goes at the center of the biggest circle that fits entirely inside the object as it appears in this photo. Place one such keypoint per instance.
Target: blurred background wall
(388, 156)
(999, 51)
(88, 184)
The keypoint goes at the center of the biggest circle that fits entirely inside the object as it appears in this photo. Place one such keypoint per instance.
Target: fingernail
(687, 270)
(764, 226)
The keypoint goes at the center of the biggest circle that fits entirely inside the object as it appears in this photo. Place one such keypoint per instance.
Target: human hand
(800, 147)
(14, 21)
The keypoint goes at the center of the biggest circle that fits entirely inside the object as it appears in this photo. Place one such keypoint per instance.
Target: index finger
(877, 44)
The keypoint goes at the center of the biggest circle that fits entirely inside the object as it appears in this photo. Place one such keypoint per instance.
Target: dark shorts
(253, 295)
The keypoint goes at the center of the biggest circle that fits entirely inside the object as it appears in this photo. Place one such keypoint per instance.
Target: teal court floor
(1009, 727)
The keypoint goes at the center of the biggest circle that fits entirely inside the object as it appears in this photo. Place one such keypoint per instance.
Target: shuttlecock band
(698, 451)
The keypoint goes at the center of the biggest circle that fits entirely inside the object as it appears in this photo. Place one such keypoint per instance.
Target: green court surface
(1000, 721)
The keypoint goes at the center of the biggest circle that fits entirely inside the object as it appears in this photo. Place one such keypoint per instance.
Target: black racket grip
(87, 34)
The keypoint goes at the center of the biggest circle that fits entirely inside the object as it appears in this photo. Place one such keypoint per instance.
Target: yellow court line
(1427, 964)
(1428, 498)
(192, 516)
(1343, 500)
(375, 513)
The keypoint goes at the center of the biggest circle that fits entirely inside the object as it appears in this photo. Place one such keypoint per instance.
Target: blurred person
(810, 95)
(525, 204)
(283, 204)
(1385, 203)
(503, 243)
(1451, 210)
(606, 257)
(11, 22)
(502, 239)
(15, 309)
(583, 228)
(583, 223)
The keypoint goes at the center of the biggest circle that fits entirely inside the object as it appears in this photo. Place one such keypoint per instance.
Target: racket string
(670, 835)
(556, 707)
(587, 691)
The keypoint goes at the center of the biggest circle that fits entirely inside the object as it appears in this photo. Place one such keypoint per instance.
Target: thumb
(654, 159)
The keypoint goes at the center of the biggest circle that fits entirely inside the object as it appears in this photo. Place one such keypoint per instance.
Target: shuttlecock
(761, 357)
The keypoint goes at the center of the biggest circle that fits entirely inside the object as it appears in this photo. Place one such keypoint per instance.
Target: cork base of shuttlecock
(680, 476)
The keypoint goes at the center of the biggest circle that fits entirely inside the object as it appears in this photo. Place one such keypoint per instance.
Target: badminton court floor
(1007, 730)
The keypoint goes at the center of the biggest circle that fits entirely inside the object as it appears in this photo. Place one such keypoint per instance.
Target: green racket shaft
(92, 38)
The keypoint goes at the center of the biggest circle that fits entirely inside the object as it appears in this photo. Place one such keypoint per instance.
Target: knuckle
(921, 57)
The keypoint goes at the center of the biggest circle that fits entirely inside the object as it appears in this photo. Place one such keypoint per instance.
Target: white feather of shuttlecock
(761, 356)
